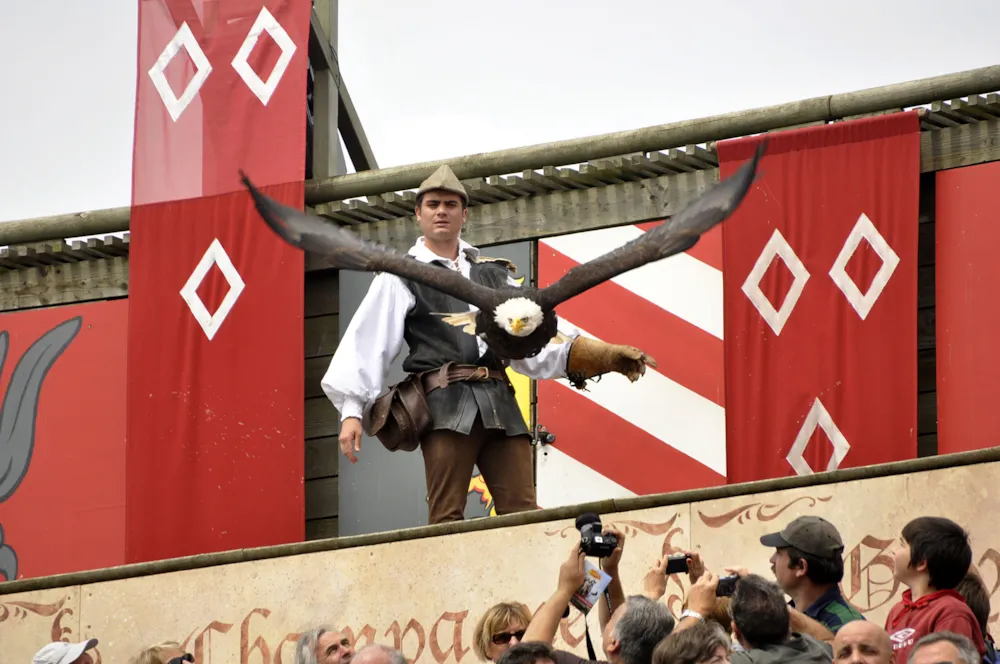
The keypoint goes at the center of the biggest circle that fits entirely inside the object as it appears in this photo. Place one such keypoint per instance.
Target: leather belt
(458, 373)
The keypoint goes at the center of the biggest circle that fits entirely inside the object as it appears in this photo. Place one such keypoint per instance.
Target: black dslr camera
(592, 541)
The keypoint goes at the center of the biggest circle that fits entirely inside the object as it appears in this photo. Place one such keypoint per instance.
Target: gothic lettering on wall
(869, 585)
(21, 611)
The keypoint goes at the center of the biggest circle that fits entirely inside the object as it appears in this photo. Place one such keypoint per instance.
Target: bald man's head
(862, 642)
(378, 654)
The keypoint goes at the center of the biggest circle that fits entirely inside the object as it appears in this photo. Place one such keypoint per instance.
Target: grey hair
(966, 650)
(722, 634)
(643, 624)
(395, 656)
(305, 647)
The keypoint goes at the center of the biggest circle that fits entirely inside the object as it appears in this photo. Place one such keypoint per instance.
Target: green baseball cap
(810, 534)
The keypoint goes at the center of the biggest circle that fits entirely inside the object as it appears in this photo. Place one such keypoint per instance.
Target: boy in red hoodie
(931, 558)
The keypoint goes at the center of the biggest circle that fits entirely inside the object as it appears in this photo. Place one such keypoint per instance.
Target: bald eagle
(516, 322)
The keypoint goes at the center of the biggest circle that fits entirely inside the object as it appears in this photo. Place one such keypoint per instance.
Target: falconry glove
(589, 358)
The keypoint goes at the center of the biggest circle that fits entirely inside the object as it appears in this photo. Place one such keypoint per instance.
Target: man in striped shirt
(808, 564)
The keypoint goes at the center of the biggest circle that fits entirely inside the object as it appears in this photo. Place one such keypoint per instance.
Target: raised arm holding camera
(546, 620)
(635, 623)
(615, 595)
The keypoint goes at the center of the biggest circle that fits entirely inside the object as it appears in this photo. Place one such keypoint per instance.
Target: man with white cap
(61, 652)
(473, 416)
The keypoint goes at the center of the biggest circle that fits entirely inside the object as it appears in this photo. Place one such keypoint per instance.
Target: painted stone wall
(426, 595)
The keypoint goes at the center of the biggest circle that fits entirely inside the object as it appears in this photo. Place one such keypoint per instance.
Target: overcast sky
(439, 78)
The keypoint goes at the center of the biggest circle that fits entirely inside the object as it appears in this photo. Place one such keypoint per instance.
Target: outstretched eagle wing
(677, 234)
(344, 250)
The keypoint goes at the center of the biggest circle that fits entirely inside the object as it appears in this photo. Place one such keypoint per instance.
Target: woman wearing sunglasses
(501, 627)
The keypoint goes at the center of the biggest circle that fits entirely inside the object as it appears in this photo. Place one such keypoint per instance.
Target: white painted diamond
(265, 23)
(865, 229)
(818, 416)
(211, 323)
(776, 246)
(183, 38)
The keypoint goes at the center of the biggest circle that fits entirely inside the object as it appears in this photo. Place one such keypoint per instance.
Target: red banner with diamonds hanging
(820, 300)
(215, 372)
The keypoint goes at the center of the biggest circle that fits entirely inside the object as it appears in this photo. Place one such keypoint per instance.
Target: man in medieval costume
(457, 405)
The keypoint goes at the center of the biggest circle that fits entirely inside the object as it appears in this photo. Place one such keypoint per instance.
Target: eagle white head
(518, 316)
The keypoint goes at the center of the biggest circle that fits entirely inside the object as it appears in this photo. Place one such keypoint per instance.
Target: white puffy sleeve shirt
(374, 338)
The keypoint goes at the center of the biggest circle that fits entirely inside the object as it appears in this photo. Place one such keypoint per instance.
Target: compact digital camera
(727, 584)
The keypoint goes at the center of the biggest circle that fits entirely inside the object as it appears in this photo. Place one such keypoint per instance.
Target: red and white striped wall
(666, 431)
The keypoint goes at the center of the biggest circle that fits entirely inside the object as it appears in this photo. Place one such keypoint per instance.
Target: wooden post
(327, 156)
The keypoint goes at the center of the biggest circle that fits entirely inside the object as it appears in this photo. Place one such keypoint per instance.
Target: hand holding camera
(696, 566)
(593, 540)
(654, 586)
(572, 573)
(701, 597)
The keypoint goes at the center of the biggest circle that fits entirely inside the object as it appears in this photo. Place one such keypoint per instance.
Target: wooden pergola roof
(542, 200)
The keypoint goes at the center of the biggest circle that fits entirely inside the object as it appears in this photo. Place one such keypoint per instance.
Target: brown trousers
(505, 463)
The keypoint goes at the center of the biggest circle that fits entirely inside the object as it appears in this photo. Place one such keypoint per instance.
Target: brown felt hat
(444, 179)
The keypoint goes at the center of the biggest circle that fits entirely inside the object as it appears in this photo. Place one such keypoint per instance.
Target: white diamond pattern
(776, 246)
(183, 38)
(217, 255)
(265, 23)
(818, 417)
(863, 303)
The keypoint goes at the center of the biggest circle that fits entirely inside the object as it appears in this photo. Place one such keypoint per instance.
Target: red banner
(62, 439)
(222, 86)
(967, 310)
(821, 300)
(215, 368)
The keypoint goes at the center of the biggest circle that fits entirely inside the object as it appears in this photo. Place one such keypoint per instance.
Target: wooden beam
(327, 157)
(63, 284)
(661, 137)
(351, 130)
(556, 213)
(323, 55)
(61, 226)
(959, 146)
(322, 498)
(644, 200)
(941, 149)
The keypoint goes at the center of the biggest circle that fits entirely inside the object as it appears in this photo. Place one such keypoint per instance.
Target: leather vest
(433, 342)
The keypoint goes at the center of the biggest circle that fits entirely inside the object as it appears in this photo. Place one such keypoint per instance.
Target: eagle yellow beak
(517, 326)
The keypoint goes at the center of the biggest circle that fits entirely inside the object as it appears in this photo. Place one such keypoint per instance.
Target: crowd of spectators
(798, 617)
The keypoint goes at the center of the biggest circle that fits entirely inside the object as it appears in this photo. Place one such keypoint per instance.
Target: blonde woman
(166, 652)
(500, 628)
